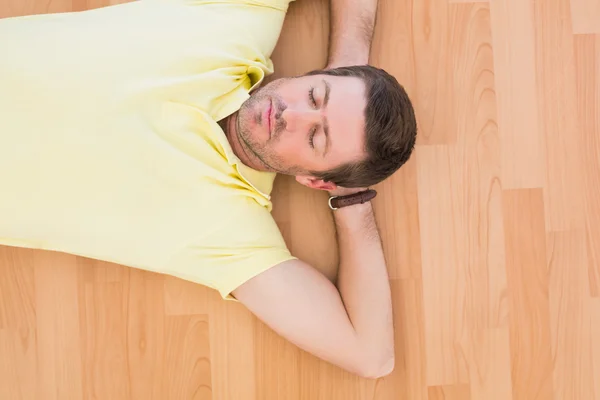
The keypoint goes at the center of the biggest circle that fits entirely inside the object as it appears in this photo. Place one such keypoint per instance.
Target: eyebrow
(327, 90)
(325, 123)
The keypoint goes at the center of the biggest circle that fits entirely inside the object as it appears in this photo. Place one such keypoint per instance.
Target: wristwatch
(337, 202)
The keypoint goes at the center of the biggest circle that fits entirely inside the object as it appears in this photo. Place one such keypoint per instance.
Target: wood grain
(458, 392)
(489, 380)
(527, 277)
(557, 118)
(586, 16)
(587, 61)
(491, 233)
(571, 316)
(514, 68)
(444, 273)
(58, 335)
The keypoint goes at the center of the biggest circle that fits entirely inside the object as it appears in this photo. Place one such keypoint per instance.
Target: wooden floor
(492, 233)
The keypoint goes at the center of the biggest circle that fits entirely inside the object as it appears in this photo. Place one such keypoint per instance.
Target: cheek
(285, 147)
(291, 151)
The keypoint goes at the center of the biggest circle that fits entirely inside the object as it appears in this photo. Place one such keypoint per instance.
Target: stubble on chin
(263, 153)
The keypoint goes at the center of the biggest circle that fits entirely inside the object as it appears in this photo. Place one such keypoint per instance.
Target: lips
(268, 120)
(269, 112)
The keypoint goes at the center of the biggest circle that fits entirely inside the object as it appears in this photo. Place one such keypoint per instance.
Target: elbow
(377, 368)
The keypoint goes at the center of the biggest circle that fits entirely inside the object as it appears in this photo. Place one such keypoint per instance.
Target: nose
(300, 120)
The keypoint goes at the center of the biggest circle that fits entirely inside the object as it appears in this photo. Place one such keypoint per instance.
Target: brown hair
(391, 129)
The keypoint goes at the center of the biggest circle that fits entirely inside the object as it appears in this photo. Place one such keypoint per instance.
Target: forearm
(363, 282)
(351, 31)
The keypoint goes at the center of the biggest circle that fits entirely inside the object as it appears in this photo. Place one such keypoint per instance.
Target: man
(138, 134)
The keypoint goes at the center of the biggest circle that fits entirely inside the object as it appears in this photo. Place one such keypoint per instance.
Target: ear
(315, 183)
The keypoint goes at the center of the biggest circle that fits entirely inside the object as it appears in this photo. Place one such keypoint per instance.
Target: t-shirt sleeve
(246, 243)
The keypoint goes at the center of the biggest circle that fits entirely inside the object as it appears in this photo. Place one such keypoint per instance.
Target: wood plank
(530, 341)
(410, 376)
(17, 296)
(96, 271)
(436, 114)
(587, 61)
(143, 303)
(184, 298)
(278, 369)
(231, 335)
(18, 364)
(59, 351)
(585, 16)
(450, 392)
(444, 281)
(397, 215)
(488, 357)
(557, 117)
(421, 58)
(104, 346)
(595, 331)
(460, 207)
(187, 364)
(514, 68)
(478, 162)
(571, 316)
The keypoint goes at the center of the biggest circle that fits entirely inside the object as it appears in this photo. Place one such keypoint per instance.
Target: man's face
(309, 123)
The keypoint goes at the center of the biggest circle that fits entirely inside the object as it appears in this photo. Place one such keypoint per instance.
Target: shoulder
(257, 22)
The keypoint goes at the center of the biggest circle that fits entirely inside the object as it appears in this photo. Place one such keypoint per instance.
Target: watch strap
(336, 202)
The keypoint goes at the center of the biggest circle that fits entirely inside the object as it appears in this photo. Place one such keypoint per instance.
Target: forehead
(345, 113)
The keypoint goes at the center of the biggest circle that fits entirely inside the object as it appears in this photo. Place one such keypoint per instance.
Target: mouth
(270, 117)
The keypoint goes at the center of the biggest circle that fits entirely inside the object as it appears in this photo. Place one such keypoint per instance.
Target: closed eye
(311, 138)
(311, 96)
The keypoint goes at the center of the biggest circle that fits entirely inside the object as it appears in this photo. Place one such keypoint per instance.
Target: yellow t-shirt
(109, 142)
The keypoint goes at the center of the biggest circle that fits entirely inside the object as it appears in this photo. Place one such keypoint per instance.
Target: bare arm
(349, 325)
(351, 31)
